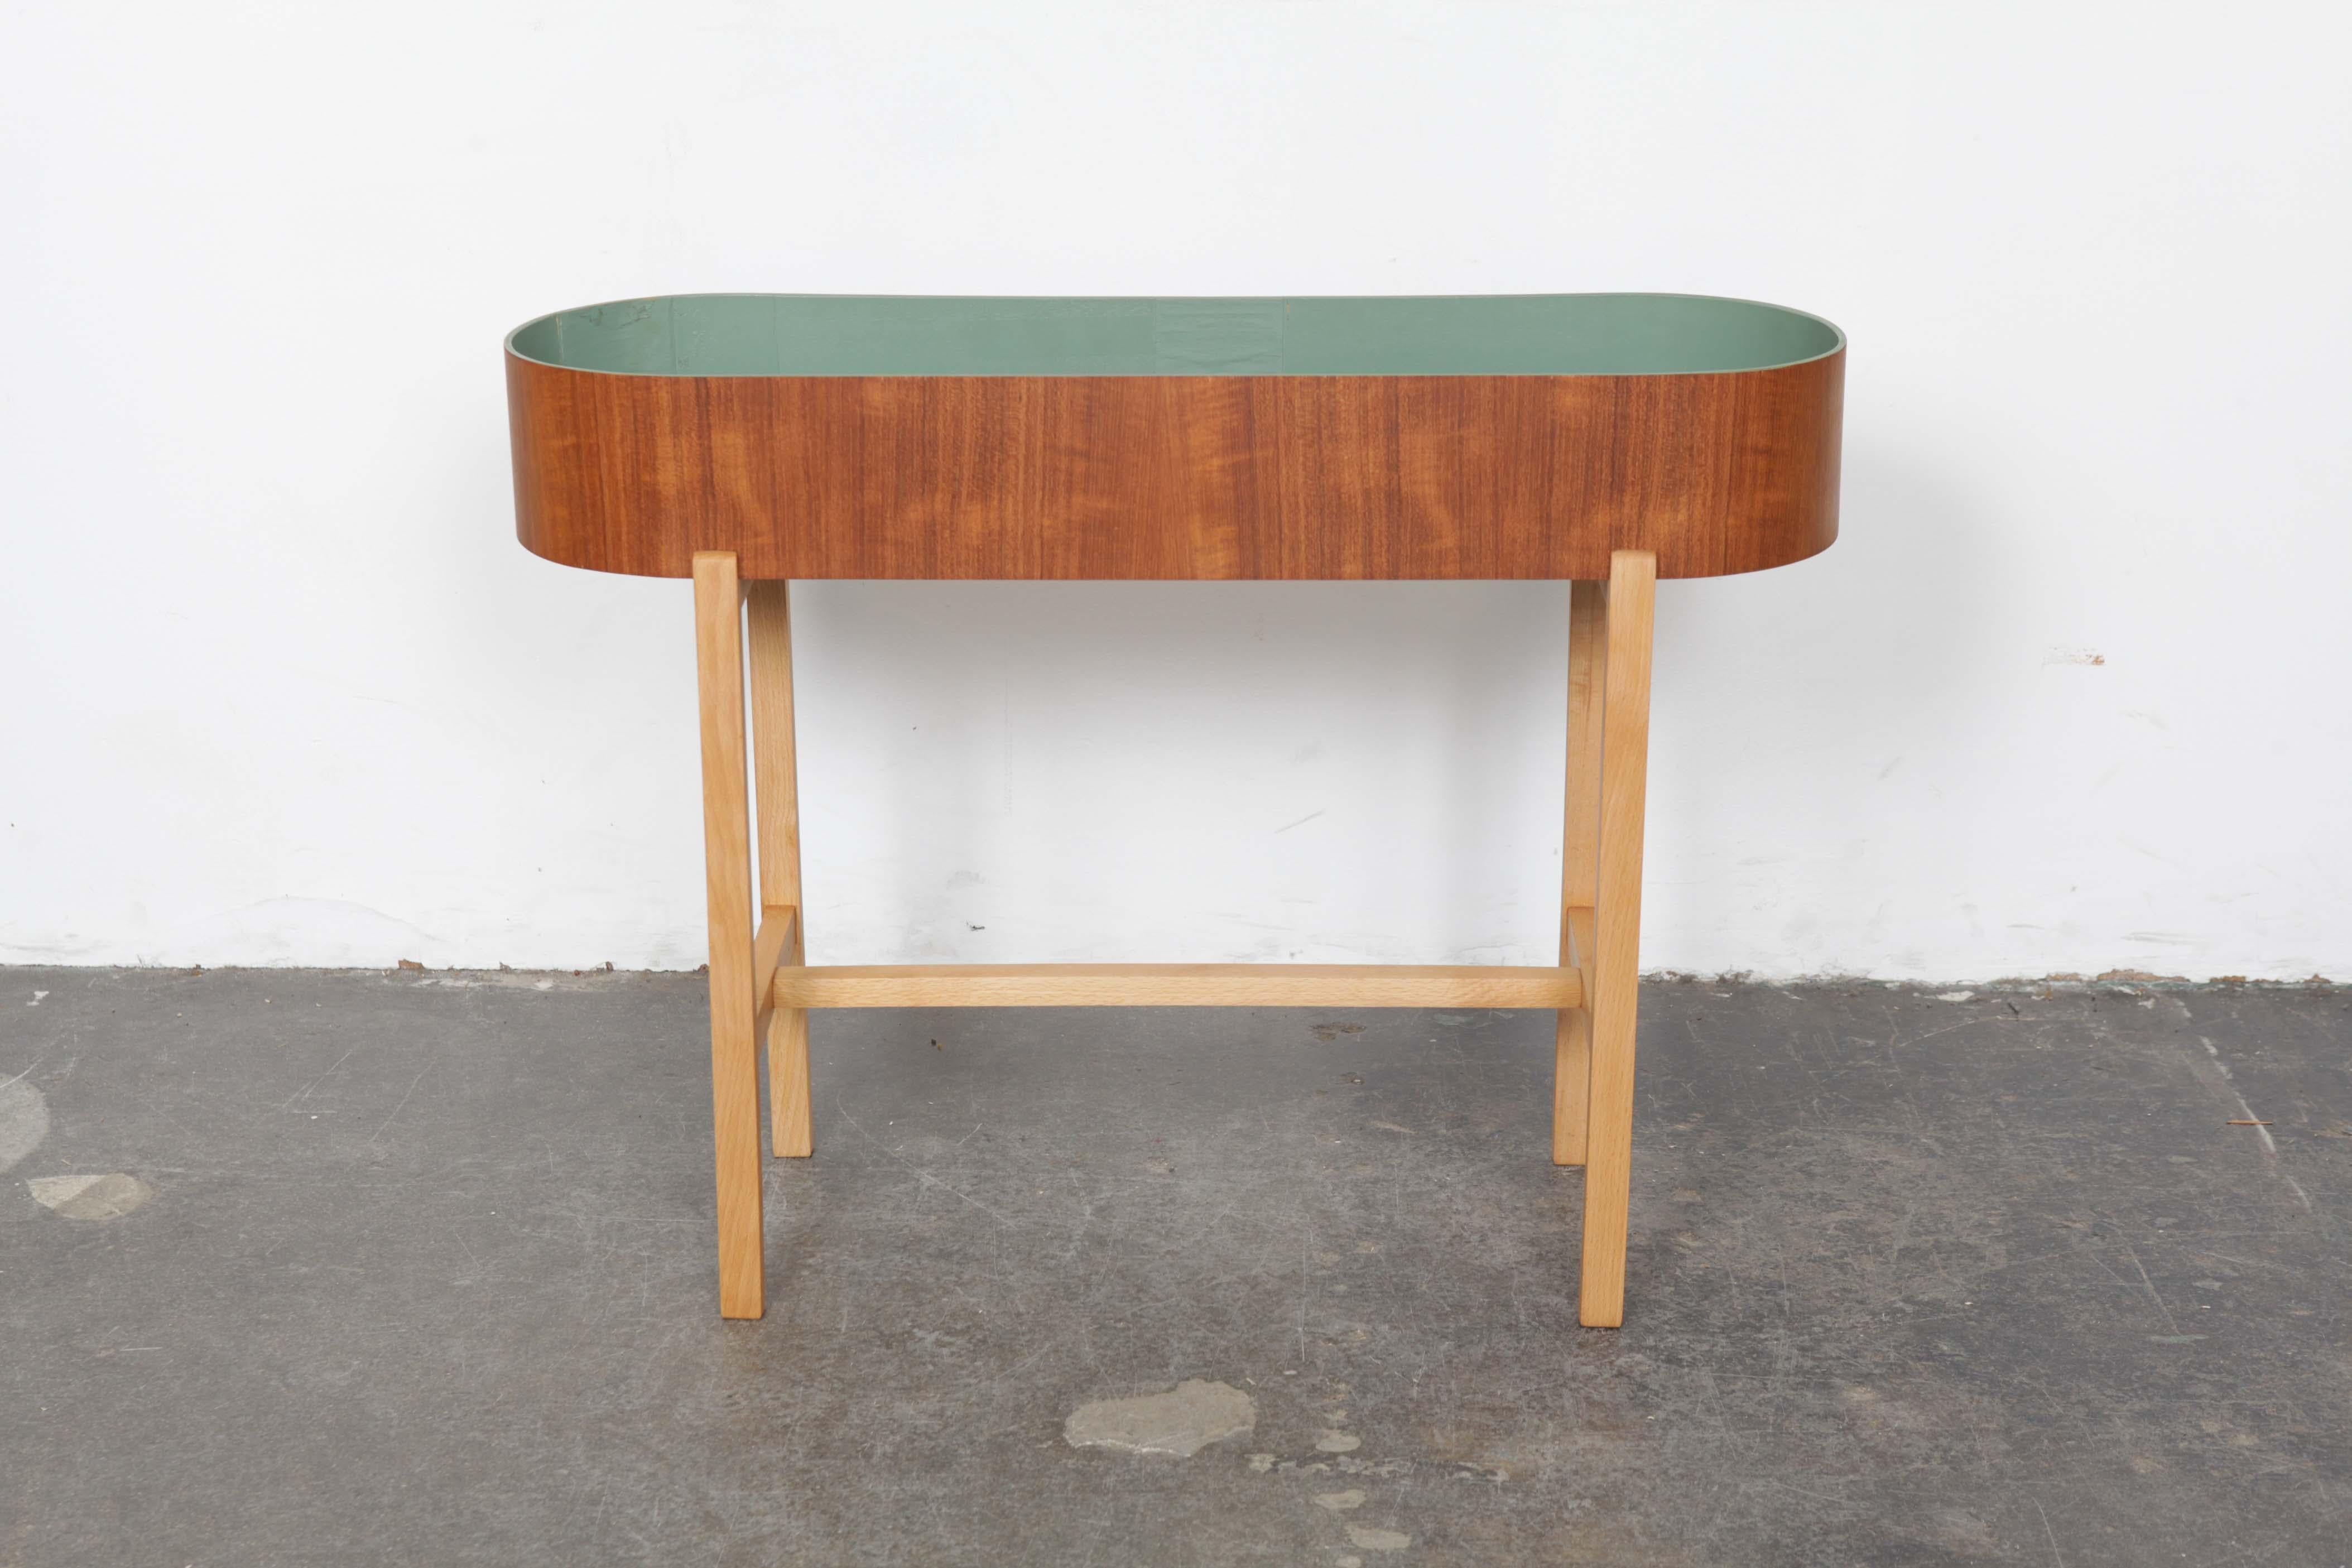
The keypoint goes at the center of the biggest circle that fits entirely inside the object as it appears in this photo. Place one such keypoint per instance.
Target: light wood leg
(727, 852)
(1616, 959)
(1580, 859)
(776, 772)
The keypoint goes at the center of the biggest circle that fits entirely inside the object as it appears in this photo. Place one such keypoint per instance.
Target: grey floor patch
(109, 1196)
(1918, 1317)
(24, 1119)
(1182, 1422)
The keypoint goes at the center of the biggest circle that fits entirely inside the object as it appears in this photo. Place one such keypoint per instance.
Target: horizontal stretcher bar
(1175, 985)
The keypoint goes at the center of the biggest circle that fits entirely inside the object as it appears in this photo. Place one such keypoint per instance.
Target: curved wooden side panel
(1293, 476)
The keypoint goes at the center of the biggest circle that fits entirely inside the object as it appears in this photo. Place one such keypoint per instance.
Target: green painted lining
(1471, 334)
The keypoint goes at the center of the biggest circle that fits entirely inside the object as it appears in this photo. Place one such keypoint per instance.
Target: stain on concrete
(1180, 1421)
(1375, 1540)
(1339, 1502)
(1338, 1442)
(24, 1119)
(109, 1196)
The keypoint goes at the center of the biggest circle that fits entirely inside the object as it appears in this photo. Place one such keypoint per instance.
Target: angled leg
(1580, 859)
(776, 772)
(727, 852)
(1617, 922)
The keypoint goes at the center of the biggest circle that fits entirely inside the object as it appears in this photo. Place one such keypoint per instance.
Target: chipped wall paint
(2063, 699)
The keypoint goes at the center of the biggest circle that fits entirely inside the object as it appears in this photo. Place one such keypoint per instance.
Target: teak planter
(744, 440)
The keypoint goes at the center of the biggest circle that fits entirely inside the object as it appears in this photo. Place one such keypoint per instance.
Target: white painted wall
(280, 687)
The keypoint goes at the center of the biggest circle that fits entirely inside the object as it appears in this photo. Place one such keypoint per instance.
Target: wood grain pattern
(1572, 1067)
(1208, 477)
(1579, 949)
(776, 778)
(1176, 986)
(1580, 851)
(1617, 938)
(775, 943)
(775, 769)
(790, 1119)
(726, 850)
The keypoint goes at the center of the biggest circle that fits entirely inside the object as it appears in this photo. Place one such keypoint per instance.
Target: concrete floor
(425, 1277)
